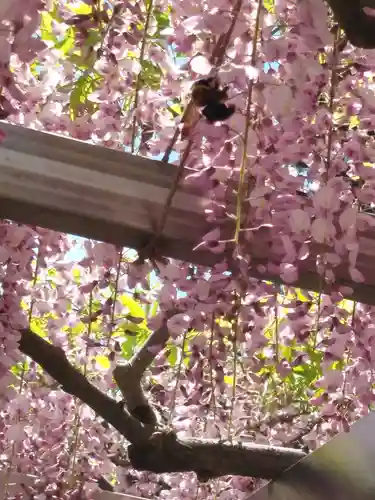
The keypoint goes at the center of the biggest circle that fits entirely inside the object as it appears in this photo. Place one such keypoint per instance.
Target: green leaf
(134, 319)
(151, 309)
(302, 295)
(128, 347)
(162, 19)
(84, 86)
(173, 355)
(38, 326)
(79, 61)
(93, 38)
(103, 361)
(151, 75)
(79, 329)
(67, 43)
(20, 368)
(35, 68)
(132, 328)
(82, 8)
(46, 27)
(269, 5)
(175, 108)
(76, 275)
(308, 372)
(52, 273)
(135, 309)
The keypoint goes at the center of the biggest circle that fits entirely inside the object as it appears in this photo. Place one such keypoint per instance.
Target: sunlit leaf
(132, 305)
(172, 355)
(20, 368)
(46, 27)
(130, 328)
(162, 19)
(81, 8)
(151, 75)
(38, 326)
(302, 295)
(128, 347)
(67, 43)
(84, 86)
(103, 362)
(269, 5)
(176, 109)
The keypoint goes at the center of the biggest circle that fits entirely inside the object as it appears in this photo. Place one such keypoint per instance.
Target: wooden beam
(95, 192)
(342, 468)
(78, 188)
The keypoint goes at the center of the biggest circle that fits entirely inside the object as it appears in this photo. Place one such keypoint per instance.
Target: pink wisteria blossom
(263, 342)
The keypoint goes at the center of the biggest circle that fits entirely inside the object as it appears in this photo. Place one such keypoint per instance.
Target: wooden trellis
(341, 469)
(94, 192)
(116, 197)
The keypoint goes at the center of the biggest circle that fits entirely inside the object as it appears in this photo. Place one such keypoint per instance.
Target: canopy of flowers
(137, 373)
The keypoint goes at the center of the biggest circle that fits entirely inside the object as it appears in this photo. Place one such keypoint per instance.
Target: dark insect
(207, 94)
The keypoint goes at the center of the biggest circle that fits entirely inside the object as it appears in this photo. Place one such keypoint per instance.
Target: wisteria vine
(211, 353)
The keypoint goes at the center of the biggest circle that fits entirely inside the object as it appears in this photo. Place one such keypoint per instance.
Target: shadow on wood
(340, 469)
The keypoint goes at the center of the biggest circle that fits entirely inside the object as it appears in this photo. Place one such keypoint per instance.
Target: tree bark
(162, 451)
(358, 27)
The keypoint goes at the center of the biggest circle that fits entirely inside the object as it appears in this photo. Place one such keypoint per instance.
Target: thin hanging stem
(115, 294)
(23, 371)
(331, 106)
(241, 193)
(331, 102)
(236, 328)
(178, 379)
(139, 77)
(77, 416)
(222, 45)
(277, 343)
(212, 403)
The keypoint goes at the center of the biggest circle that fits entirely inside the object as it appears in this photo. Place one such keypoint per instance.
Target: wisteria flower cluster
(113, 364)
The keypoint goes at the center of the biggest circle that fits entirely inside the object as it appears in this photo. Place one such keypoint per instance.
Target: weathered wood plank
(95, 192)
(341, 469)
(98, 193)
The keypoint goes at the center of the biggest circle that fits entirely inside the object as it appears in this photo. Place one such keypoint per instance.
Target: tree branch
(153, 345)
(53, 360)
(162, 451)
(128, 376)
(358, 27)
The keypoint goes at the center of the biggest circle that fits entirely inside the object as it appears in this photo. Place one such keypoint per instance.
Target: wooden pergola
(341, 469)
(94, 192)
